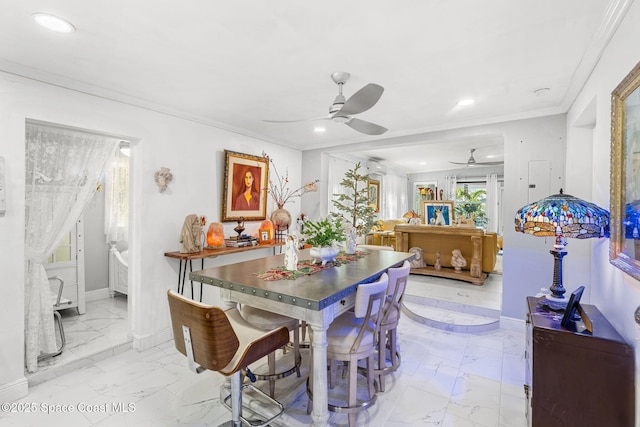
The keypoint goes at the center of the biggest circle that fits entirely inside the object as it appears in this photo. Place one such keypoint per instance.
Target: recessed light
(319, 129)
(53, 23)
(465, 102)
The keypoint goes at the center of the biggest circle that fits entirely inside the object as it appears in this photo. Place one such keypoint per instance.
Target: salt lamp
(215, 235)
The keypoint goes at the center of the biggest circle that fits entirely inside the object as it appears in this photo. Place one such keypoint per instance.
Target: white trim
(97, 294)
(142, 343)
(511, 324)
(14, 390)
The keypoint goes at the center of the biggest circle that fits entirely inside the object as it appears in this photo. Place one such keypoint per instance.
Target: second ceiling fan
(472, 161)
(342, 109)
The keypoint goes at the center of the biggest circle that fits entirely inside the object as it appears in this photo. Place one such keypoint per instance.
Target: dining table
(316, 298)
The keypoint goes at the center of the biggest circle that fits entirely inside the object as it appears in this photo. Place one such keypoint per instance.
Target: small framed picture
(265, 236)
(438, 213)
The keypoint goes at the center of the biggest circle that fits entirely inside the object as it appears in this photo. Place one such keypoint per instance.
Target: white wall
(193, 152)
(615, 293)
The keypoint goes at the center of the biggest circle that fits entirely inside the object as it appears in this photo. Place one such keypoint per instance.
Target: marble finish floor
(446, 379)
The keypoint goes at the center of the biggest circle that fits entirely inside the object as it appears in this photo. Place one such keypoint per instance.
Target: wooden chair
(352, 337)
(224, 342)
(390, 313)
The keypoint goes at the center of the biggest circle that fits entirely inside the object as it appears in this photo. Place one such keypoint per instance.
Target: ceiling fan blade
(365, 127)
(490, 163)
(459, 163)
(362, 100)
(300, 120)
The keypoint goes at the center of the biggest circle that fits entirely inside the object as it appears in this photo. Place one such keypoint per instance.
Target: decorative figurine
(439, 217)
(457, 260)
(240, 227)
(291, 253)
(417, 261)
(351, 241)
(163, 177)
(191, 235)
(437, 265)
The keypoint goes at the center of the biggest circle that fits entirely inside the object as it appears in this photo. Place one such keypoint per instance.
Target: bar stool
(352, 337)
(224, 342)
(390, 313)
(266, 321)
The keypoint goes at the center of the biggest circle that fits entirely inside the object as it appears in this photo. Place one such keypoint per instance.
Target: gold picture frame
(624, 244)
(431, 209)
(239, 201)
(374, 194)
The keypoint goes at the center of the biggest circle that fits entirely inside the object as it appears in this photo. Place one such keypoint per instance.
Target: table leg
(181, 275)
(320, 414)
(190, 271)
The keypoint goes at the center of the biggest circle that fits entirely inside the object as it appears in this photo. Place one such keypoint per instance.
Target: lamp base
(554, 303)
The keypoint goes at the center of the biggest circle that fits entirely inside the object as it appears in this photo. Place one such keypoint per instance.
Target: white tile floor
(446, 379)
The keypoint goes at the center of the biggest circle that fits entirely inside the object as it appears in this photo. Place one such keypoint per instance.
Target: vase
(324, 254)
(281, 219)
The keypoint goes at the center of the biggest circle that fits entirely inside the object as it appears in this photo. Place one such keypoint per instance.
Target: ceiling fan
(472, 161)
(342, 109)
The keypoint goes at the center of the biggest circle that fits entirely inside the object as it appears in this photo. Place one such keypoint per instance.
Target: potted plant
(354, 205)
(471, 205)
(323, 235)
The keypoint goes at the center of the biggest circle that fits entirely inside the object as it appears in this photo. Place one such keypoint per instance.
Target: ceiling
(235, 64)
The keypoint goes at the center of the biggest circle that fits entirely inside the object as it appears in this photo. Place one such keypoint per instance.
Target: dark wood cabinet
(574, 378)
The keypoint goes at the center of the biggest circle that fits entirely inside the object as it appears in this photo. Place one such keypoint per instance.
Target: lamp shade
(563, 215)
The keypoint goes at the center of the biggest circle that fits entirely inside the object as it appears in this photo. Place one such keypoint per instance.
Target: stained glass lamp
(562, 215)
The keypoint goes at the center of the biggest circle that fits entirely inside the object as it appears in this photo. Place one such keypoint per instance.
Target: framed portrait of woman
(244, 194)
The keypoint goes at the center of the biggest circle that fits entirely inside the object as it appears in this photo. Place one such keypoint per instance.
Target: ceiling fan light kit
(342, 109)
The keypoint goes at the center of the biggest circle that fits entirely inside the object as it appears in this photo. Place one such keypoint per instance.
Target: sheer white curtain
(394, 196)
(63, 169)
(450, 183)
(491, 206)
(116, 217)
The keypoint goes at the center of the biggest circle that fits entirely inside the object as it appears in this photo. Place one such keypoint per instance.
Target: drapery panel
(491, 205)
(116, 217)
(63, 170)
(394, 196)
(450, 184)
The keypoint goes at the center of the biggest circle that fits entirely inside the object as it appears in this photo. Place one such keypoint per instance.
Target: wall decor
(374, 194)
(163, 177)
(624, 245)
(438, 212)
(424, 192)
(3, 193)
(244, 193)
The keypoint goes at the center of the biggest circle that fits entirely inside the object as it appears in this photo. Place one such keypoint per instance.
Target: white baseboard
(141, 343)
(14, 390)
(96, 295)
(511, 324)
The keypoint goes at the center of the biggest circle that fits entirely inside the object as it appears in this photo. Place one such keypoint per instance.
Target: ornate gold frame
(624, 252)
(235, 166)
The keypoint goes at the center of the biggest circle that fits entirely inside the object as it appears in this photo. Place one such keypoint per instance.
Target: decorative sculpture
(163, 177)
(439, 217)
(437, 265)
(457, 260)
(191, 235)
(351, 240)
(417, 261)
(291, 253)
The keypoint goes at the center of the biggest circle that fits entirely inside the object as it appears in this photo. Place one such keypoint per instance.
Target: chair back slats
(371, 296)
(213, 338)
(397, 284)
